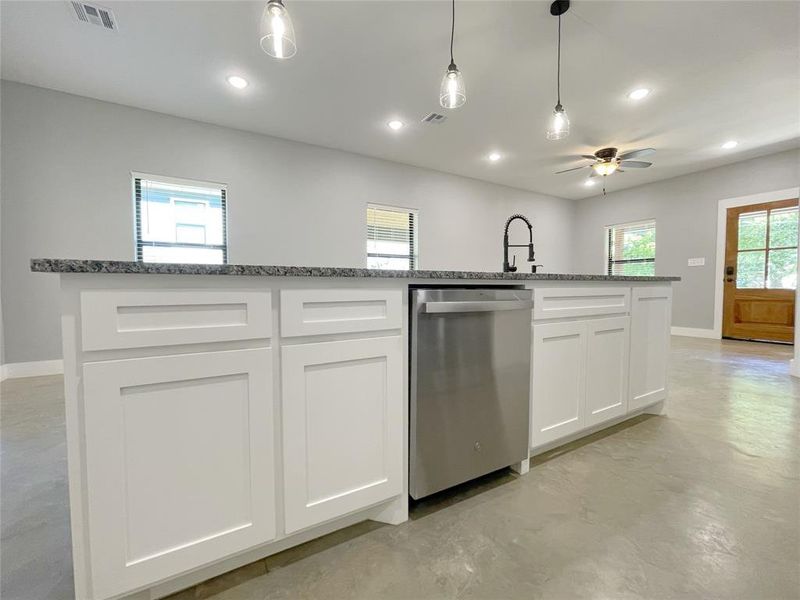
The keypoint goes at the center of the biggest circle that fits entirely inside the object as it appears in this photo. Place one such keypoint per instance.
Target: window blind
(631, 248)
(391, 237)
(180, 221)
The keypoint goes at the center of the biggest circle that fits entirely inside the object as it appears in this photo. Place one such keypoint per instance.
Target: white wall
(66, 163)
(685, 210)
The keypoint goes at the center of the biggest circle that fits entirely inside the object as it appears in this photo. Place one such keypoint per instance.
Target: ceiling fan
(609, 160)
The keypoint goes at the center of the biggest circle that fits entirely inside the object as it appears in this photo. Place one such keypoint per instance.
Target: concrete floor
(704, 504)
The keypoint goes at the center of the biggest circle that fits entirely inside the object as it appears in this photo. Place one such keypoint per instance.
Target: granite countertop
(66, 265)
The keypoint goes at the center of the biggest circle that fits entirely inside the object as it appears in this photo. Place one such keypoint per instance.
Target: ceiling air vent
(95, 15)
(434, 118)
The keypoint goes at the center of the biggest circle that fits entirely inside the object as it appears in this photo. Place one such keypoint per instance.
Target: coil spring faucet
(510, 268)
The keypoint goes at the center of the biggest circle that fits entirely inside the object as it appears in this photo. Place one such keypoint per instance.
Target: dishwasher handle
(476, 306)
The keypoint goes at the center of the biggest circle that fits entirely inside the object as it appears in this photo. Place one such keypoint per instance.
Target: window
(631, 249)
(392, 237)
(767, 254)
(179, 221)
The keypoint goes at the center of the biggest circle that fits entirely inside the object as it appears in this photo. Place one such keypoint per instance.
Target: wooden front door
(761, 271)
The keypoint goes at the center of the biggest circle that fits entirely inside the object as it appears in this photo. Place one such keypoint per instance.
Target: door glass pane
(782, 269)
(750, 269)
(753, 230)
(783, 227)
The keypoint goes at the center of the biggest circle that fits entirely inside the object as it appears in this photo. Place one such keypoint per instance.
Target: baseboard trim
(31, 369)
(694, 332)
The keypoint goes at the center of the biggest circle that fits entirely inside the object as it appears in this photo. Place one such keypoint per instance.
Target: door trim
(719, 268)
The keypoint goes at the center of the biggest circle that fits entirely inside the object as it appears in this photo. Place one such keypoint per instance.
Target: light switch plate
(697, 262)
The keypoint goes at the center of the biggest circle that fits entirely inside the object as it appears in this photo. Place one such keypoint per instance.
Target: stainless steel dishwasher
(470, 384)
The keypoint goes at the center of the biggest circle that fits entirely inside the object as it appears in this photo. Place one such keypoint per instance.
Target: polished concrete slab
(704, 503)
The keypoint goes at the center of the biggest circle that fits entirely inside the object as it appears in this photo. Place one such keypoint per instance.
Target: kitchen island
(217, 414)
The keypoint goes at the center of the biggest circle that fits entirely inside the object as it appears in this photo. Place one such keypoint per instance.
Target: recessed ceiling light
(730, 144)
(589, 182)
(395, 124)
(238, 82)
(495, 156)
(639, 94)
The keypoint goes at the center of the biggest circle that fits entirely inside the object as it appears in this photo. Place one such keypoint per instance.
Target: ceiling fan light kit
(559, 121)
(277, 31)
(605, 168)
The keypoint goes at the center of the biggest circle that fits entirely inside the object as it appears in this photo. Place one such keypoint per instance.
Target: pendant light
(559, 121)
(277, 32)
(452, 93)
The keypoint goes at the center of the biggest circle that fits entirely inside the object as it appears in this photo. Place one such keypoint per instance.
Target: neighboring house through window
(180, 221)
(631, 248)
(392, 238)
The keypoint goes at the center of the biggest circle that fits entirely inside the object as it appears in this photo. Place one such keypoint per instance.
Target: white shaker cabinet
(651, 315)
(558, 380)
(342, 404)
(607, 347)
(580, 360)
(179, 463)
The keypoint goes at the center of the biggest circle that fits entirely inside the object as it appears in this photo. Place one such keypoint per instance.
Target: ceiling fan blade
(636, 153)
(589, 156)
(635, 164)
(572, 169)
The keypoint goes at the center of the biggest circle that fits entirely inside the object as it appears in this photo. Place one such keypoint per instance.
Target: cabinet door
(342, 427)
(651, 314)
(607, 341)
(558, 381)
(179, 463)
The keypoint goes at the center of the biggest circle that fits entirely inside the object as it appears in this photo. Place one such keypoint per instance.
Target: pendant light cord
(452, 31)
(558, 67)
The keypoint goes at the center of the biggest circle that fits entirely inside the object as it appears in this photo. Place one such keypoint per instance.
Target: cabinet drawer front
(558, 303)
(315, 312)
(343, 441)
(179, 463)
(113, 319)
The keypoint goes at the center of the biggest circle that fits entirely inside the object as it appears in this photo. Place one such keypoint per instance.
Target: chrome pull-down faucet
(510, 268)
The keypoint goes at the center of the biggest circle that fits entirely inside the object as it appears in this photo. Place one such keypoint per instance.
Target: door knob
(729, 270)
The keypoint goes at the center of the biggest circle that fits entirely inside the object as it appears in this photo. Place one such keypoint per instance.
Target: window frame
(609, 263)
(413, 229)
(139, 244)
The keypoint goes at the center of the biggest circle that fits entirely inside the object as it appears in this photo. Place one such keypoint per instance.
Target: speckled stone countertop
(66, 265)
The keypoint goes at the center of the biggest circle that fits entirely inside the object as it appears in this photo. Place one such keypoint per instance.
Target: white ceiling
(719, 70)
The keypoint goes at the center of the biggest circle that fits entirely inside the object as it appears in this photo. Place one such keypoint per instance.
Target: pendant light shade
(559, 124)
(558, 127)
(277, 32)
(452, 92)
